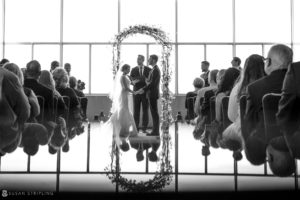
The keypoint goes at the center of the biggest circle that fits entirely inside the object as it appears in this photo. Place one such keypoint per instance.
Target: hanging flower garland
(163, 175)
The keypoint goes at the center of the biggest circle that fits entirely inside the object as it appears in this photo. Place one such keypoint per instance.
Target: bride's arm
(126, 87)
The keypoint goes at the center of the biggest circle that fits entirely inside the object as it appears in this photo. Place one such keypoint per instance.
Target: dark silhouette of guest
(236, 63)
(288, 115)
(33, 72)
(15, 110)
(67, 67)
(279, 58)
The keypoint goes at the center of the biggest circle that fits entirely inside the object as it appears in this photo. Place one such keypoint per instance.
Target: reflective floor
(218, 178)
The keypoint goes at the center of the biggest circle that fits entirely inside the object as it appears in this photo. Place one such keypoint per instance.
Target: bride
(122, 120)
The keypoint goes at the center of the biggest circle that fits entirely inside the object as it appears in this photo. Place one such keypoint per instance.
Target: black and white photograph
(149, 99)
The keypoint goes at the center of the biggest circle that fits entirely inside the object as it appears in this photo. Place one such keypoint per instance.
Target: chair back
(41, 100)
(212, 109)
(224, 111)
(190, 107)
(270, 107)
(67, 112)
(243, 104)
(83, 102)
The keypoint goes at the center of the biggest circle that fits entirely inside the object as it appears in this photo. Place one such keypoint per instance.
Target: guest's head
(253, 70)
(140, 60)
(125, 69)
(54, 64)
(67, 67)
(228, 80)
(279, 158)
(204, 66)
(280, 56)
(33, 69)
(153, 60)
(60, 77)
(46, 79)
(236, 61)
(72, 82)
(198, 83)
(3, 61)
(212, 77)
(16, 70)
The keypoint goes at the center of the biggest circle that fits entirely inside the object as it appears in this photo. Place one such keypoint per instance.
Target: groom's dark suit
(152, 92)
(138, 99)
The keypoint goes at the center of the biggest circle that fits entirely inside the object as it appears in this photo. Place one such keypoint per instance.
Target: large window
(32, 20)
(205, 21)
(81, 31)
(90, 20)
(263, 21)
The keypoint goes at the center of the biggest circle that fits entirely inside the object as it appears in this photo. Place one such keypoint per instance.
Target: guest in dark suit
(276, 64)
(33, 72)
(205, 70)
(288, 115)
(138, 76)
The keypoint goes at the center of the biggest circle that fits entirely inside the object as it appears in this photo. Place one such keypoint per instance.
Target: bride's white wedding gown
(121, 121)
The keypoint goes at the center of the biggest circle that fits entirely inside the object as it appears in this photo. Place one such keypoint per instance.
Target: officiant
(138, 77)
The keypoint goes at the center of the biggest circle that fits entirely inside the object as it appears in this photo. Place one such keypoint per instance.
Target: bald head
(280, 57)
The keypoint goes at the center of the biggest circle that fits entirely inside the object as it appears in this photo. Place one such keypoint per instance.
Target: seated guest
(54, 64)
(33, 72)
(15, 111)
(198, 84)
(46, 78)
(205, 70)
(212, 79)
(3, 61)
(288, 115)
(67, 67)
(236, 62)
(203, 112)
(73, 85)
(224, 89)
(33, 101)
(253, 70)
(279, 58)
(74, 124)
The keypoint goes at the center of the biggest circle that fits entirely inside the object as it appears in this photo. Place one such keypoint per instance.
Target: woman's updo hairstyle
(125, 67)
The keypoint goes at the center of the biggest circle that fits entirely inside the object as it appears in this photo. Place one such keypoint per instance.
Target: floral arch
(163, 175)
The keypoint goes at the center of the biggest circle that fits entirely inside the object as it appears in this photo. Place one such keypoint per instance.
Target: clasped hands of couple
(140, 91)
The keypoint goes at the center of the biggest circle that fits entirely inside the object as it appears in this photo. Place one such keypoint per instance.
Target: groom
(152, 92)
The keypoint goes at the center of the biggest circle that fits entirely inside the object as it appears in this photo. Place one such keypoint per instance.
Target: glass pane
(297, 21)
(129, 54)
(189, 66)
(263, 21)
(296, 53)
(78, 57)
(32, 20)
(90, 20)
(45, 54)
(101, 69)
(219, 56)
(203, 21)
(244, 51)
(159, 13)
(18, 54)
(156, 49)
